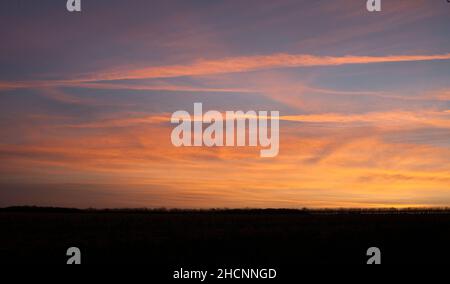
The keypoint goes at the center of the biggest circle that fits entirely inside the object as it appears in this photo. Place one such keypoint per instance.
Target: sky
(86, 100)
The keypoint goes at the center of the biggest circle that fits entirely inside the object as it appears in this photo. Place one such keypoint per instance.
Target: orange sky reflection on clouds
(343, 163)
(364, 104)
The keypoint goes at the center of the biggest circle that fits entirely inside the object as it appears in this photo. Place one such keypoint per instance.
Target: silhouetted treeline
(224, 237)
(328, 211)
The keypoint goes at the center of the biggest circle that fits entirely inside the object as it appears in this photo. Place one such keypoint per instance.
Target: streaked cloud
(253, 63)
(364, 103)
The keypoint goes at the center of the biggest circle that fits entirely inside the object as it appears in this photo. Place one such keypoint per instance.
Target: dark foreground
(243, 237)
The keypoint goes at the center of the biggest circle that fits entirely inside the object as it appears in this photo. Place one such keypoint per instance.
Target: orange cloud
(218, 66)
(317, 167)
(252, 63)
(441, 95)
(379, 119)
(391, 118)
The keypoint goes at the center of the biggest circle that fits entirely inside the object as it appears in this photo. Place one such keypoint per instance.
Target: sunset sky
(86, 100)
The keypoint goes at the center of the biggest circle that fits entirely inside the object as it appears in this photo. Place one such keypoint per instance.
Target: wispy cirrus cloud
(97, 113)
(308, 167)
(253, 63)
(440, 95)
(218, 66)
(430, 118)
(391, 118)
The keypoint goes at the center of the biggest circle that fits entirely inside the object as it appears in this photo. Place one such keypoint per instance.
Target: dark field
(237, 237)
